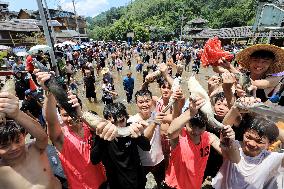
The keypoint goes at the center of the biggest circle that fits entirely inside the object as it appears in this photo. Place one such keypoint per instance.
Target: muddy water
(138, 78)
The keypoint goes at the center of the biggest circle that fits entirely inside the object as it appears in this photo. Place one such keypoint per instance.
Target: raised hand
(195, 105)
(137, 129)
(9, 105)
(106, 130)
(229, 78)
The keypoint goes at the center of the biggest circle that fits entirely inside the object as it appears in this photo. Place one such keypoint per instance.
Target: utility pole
(77, 26)
(181, 27)
(47, 36)
(49, 19)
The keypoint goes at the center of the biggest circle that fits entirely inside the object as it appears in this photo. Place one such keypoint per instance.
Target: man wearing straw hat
(263, 63)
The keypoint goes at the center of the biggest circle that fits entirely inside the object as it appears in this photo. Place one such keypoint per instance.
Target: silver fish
(195, 90)
(264, 109)
(175, 87)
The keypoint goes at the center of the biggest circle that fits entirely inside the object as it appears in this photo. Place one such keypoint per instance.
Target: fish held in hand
(55, 87)
(8, 87)
(196, 90)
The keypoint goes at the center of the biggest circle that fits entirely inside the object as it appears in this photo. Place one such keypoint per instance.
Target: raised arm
(266, 83)
(54, 128)
(9, 104)
(179, 122)
(228, 82)
(226, 145)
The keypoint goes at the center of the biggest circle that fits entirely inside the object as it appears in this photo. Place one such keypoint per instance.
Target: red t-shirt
(76, 163)
(188, 162)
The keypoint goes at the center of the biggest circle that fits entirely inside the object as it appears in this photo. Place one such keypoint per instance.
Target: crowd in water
(171, 136)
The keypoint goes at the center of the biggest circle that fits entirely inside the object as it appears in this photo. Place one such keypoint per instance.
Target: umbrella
(3, 47)
(23, 53)
(36, 48)
(58, 45)
(76, 47)
(69, 43)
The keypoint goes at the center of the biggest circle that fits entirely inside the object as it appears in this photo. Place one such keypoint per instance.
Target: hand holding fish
(106, 130)
(227, 136)
(213, 82)
(195, 104)
(244, 103)
(137, 129)
(228, 78)
(75, 103)
(164, 117)
(224, 63)
(42, 77)
(163, 68)
(9, 105)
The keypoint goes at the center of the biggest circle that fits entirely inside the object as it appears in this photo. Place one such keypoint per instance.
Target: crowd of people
(178, 145)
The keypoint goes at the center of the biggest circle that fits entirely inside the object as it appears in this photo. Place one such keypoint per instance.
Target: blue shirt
(128, 83)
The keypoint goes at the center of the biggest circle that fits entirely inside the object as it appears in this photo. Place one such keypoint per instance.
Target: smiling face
(144, 104)
(259, 66)
(166, 91)
(12, 150)
(260, 61)
(253, 144)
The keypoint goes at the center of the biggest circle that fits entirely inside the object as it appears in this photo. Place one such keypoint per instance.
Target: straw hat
(105, 70)
(243, 57)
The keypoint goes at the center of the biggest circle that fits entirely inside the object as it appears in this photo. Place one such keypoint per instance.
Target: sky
(83, 7)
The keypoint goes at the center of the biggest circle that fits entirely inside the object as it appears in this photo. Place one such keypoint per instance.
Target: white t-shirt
(155, 155)
(250, 173)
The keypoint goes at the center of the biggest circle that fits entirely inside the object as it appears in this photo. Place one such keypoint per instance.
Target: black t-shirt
(121, 160)
(32, 106)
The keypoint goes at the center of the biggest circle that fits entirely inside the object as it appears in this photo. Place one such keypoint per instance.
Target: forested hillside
(161, 19)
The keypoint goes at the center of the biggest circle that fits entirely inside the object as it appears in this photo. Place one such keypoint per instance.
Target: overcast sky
(83, 7)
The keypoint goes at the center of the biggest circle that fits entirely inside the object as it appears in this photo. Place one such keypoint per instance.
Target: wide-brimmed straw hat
(243, 57)
(105, 70)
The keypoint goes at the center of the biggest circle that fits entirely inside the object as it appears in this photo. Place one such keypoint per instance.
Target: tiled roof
(36, 22)
(13, 26)
(236, 32)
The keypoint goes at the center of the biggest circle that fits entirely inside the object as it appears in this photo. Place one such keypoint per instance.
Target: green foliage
(161, 19)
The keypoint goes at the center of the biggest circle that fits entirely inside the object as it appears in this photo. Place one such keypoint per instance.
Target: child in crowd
(23, 166)
(191, 147)
(120, 156)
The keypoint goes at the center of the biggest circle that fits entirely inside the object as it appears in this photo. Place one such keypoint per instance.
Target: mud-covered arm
(149, 131)
(178, 123)
(53, 125)
(228, 82)
(266, 83)
(9, 105)
(226, 145)
(233, 117)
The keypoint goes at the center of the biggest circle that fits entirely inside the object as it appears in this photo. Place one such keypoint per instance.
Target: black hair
(219, 96)
(10, 131)
(263, 126)
(199, 120)
(115, 111)
(263, 54)
(143, 92)
(162, 81)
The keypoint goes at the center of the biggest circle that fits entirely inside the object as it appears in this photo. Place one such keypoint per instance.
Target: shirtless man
(23, 166)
